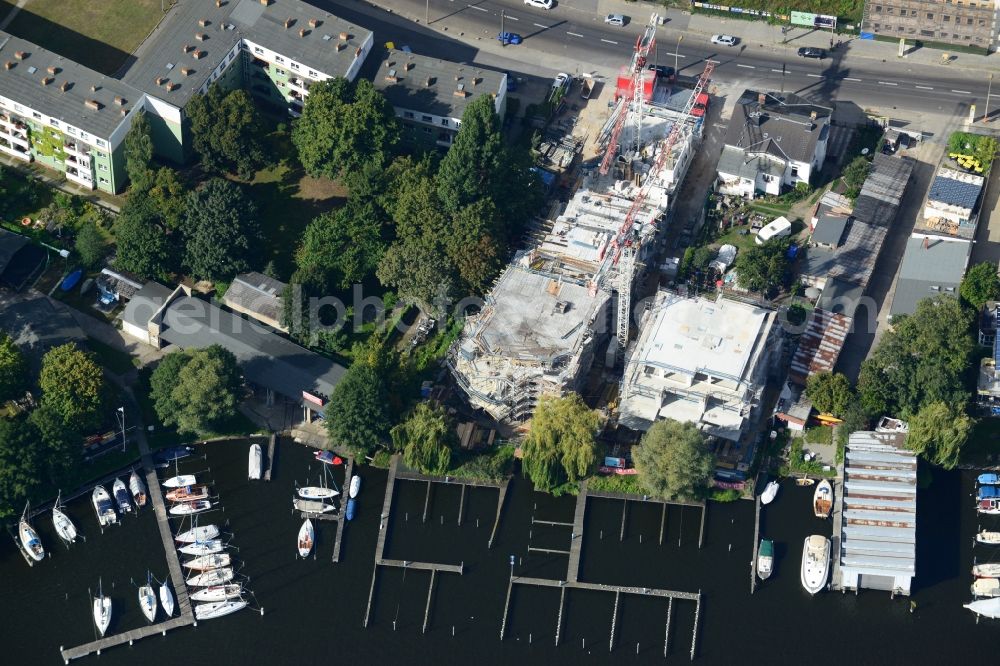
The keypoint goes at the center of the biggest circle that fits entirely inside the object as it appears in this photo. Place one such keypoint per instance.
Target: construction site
(566, 298)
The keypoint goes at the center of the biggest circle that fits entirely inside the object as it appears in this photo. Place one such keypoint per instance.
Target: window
(100, 142)
(71, 131)
(84, 135)
(946, 18)
(313, 74)
(927, 33)
(444, 121)
(795, 170)
(36, 115)
(408, 114)
(258, 50)
(278, 58)
(427, 119)
(930, 16)
(54, 122)
(103, 180)
(102, 167)
(878, 9)
(295, 66)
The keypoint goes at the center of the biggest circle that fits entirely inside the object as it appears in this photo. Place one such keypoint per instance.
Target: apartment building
(960, 22)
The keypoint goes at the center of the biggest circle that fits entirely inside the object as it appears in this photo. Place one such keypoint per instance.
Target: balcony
(16, 140)
(80, 151)
(80, 177)
(14, 127)
(15, 151)
(299, 85)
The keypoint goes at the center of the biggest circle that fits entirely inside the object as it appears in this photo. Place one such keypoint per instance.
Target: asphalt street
(576, 33)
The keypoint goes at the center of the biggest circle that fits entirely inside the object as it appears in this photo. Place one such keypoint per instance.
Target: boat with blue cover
(988, 479)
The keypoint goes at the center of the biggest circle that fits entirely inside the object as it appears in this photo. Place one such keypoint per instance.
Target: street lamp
(680, 38)
(503, 40)
(989, 89)
(427, 13)
(121, 411)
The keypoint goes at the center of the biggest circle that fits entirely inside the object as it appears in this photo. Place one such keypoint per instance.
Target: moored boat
(352, 508)
(312, 506)
(988, 479)
(60, 521)
(188, 508)
(988, 507)
(986, 570)
(770, 492)
(328, 458)
(208, 562)
(306, 537)
(203, 547)
(985, 607)
(815, 562)
(823, 499)
(316, 492)
(167, 598)
(987, 493)
(210, 578)
(121, 496)
(147, 599)
(986, 587)
(137, 488)
(218, 609)
(200, 533)
(218, 592)
(103, 507)
(804, 481)
(174, 453)
(102, 610)
(255, 462)
(179, 481)
(765, 559)
(989, 538)
(355, 486)
(187, 493)
(29, 539)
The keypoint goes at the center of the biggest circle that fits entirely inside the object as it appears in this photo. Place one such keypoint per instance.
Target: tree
(219, 223)
(425, 438)
(938, 432)
(61, 449)
(90, 245)
(762, 268)
(18, 465)
(225, 128)
(830, 392)
(139, 153)
(205, 393)
(13, 369)
(855, 175)
(344, 127)
(73, 386)
(474, 245)
(142, 244)
(673, 460)
(475, 157)
(357, 416)
(166, 193)
(980, 284)
(562, 445)
(342, 247)
(419, 269)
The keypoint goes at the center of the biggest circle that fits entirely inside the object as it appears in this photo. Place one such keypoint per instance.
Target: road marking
(815, 76)
(746, 66)
(511, 18)
(574, 34)
(779, 71)
(676, 55)
(478, 9)
(851, 78)
(714, 62)
(887, 83)
(925, 88)
(962, 92)
(539, 25)
(608, 41)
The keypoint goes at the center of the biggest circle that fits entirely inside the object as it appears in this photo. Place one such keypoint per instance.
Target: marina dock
(271, 445)
(754, 545)
(836, 582)
(335, 516)
(626, 497)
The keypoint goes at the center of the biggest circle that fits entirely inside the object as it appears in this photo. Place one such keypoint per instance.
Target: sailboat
(203, 547)
(312, 506)
(166, 598)
(218, 592)
(188, 508)
(823, 499)
(211, 578)
(179, 481)
(196, 534)
(988, 538)
(138, 488)
(985, 607)
(306, 538)
(147, 599)
(986, 570)
(765, 559)
(316, 492)
(29, 538)
(102, 610)
(815, 562)
(328, 458)
(355, 487)
(218, 609)
(102, 506)
(255, 462)
(770, 492)
(208, 562)
(60, 521)
(121, 496)
(187, 493)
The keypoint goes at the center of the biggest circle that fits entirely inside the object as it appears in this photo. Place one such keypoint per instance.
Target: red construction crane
(643, 45)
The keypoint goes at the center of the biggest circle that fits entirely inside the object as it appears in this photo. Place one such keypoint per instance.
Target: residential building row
(968, 23)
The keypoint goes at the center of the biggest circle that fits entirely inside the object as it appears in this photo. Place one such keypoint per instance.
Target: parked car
(509, 38)
(539, 4)
(724, 40)
(617, 20)
(812, 52)
(562, 80)
(700, 107)
(663, 71)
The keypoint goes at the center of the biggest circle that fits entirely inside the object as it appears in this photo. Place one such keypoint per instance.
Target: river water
(314, 609)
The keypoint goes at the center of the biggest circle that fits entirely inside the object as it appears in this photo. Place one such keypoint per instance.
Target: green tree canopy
(163, 380)
(938, 432)
(139, 153)
(425, 438)
(73, 386)
(90, 245)
(225, 131)
(342, 247)
(61, 443)
(344, 127)
(673, 460)
(220, 224)
(762, 268)
(142, 244)
(855, 175)
(13, 369)
(166, 192)
(205, 393)
(980, 284)
(357, 416)
(18, 465)
(830, 392)
(562, 444)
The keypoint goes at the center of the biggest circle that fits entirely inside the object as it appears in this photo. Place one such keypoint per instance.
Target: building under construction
(561, 299)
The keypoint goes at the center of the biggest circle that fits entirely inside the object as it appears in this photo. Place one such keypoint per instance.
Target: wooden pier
(838, 525)
(271, 445)
(338, 539)
(756, 541)
(627, 497)
(576, 537)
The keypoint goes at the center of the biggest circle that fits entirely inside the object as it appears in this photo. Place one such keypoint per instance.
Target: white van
(778, 228)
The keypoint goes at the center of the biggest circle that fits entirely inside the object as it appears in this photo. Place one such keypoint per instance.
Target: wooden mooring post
(614, 622)
(461, 505)
(701, 532)
(663, 522)
(506, 609)
(427, 501)
(371, 595)
(621, 535)
(562, 603)
(427, 608)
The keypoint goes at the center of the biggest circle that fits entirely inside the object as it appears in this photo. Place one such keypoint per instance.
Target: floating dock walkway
(336, 516)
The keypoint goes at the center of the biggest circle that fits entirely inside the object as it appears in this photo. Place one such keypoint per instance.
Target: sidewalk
(56, 181)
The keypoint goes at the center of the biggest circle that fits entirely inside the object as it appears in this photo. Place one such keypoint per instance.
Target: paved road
(568, 34)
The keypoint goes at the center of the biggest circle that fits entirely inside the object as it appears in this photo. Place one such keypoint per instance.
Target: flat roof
(829, 227)
(257, 293)
(819, 346)
(956, 189)
(145, 303)
(431, 85)
(931, 265)
(22, 84)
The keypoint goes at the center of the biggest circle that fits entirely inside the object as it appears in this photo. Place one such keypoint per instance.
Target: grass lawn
(100, 35)
(734, 237)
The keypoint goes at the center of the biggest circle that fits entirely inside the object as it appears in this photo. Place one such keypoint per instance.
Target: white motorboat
(188, 508)
(121, 496)
(211, 578)
(986, 587)
(60, 521)
(770, 492)
(823, 499)
(203, 547)
(255, 462)
(167, 598)
(988, 538)
(147, 599)
(218, 593)
(196, 534)
(102, 610)
(206, 562)
(306, 537)
(317, 492)
(985, 607)
(986, 570)
(815, 562)
(179, 481)
(218, 609)
(765, 559)
(312, 506)
(137, 488)
(29, 539)
(187, 493)
(103, 507)
(355, 486)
